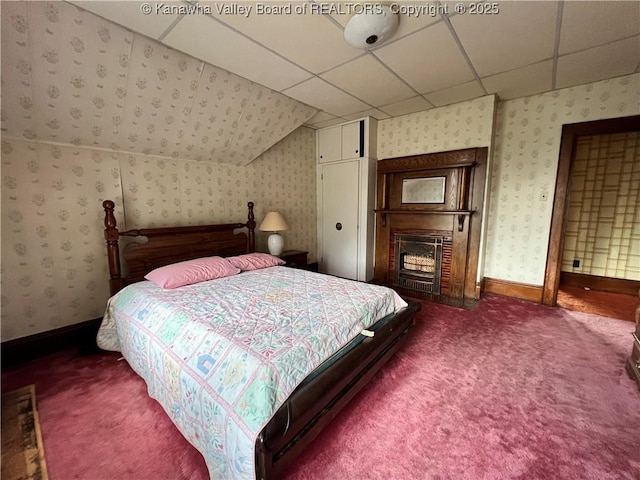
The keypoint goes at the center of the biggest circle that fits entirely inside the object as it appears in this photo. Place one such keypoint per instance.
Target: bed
(250, 366)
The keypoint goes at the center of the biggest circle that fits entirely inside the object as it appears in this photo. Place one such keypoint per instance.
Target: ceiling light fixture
(371, 27)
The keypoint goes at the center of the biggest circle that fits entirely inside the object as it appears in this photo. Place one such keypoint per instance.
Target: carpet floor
(510, 390)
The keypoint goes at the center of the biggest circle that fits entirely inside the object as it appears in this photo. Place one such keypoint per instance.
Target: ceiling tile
(607, 61)
(308, 39)
(246, 58)
(456, 94)
(520, 34)
(412, 105)
(318, 93)
(129, 14)
(429, 60)
(521, 82)
(412, 15)
(370, 81)
(607, 21)
(372, 112)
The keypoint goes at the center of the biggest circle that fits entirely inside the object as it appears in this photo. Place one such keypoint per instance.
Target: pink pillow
(254, 261)
(191, 271)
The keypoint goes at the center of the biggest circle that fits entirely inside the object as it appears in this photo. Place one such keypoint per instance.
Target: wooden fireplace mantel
(460, 213)
(458, 218)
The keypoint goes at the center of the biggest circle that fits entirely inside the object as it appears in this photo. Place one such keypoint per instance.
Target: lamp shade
(274, 222)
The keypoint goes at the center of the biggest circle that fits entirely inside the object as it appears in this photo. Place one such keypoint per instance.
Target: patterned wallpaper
(463, 125)
(71, 77)
(54, 266)
(525, 161)
(53, 270)
(603, 221)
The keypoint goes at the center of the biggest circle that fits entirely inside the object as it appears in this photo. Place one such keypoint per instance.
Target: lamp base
(275, 244)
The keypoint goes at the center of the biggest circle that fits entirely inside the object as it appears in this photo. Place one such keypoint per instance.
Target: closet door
(340, 194)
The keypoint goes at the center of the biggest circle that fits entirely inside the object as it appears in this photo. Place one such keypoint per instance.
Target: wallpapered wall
(463, 125)
(54, 267)
(523, 164)
(71, 77)
(526, 148)
(603, 221)
(92, 111)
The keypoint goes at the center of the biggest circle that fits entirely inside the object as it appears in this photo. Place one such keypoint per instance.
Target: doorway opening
(560, 217)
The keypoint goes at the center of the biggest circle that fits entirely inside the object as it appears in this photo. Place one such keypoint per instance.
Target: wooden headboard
(170, 245)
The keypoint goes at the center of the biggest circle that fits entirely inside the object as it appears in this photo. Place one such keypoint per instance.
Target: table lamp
(274, 222)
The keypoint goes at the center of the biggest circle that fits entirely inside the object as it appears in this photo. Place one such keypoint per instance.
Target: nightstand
(294, 258)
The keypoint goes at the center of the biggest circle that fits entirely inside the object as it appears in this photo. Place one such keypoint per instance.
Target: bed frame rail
(314, 404)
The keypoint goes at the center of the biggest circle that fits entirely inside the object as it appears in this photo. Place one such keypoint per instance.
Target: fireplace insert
(418, 263)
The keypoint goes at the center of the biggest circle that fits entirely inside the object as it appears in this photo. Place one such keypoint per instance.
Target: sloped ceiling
(71, 77)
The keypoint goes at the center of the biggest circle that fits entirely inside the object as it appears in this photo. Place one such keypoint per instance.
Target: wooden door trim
(570, 133)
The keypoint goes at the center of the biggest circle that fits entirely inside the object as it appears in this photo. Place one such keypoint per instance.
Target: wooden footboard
(317, 401)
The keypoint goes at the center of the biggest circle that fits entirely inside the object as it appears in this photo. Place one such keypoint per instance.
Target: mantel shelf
(460, 213)
(428, 212)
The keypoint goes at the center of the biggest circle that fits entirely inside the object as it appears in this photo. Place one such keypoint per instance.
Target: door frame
(570, 133)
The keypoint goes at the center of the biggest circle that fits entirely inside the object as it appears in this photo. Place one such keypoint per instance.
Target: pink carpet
(511, 390)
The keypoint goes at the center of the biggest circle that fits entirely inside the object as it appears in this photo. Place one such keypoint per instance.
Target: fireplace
(418, 263)
(428, 225)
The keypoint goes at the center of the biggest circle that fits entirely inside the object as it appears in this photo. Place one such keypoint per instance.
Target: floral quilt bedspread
(222, 356)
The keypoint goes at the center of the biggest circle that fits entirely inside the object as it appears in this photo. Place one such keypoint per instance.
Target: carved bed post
(251, 225)
(112, 236)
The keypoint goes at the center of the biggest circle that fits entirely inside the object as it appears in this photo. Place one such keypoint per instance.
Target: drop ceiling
(437, 56)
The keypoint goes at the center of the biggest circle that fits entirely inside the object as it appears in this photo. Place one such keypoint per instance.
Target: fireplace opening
(418, 263)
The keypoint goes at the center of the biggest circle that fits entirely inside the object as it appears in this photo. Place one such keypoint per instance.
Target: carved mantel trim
(429, 161)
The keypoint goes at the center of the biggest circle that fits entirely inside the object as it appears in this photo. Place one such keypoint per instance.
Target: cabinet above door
(346, 141)
(353, 140)
(330, 144)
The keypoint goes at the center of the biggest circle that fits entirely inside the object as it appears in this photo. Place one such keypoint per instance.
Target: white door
(340, 219)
